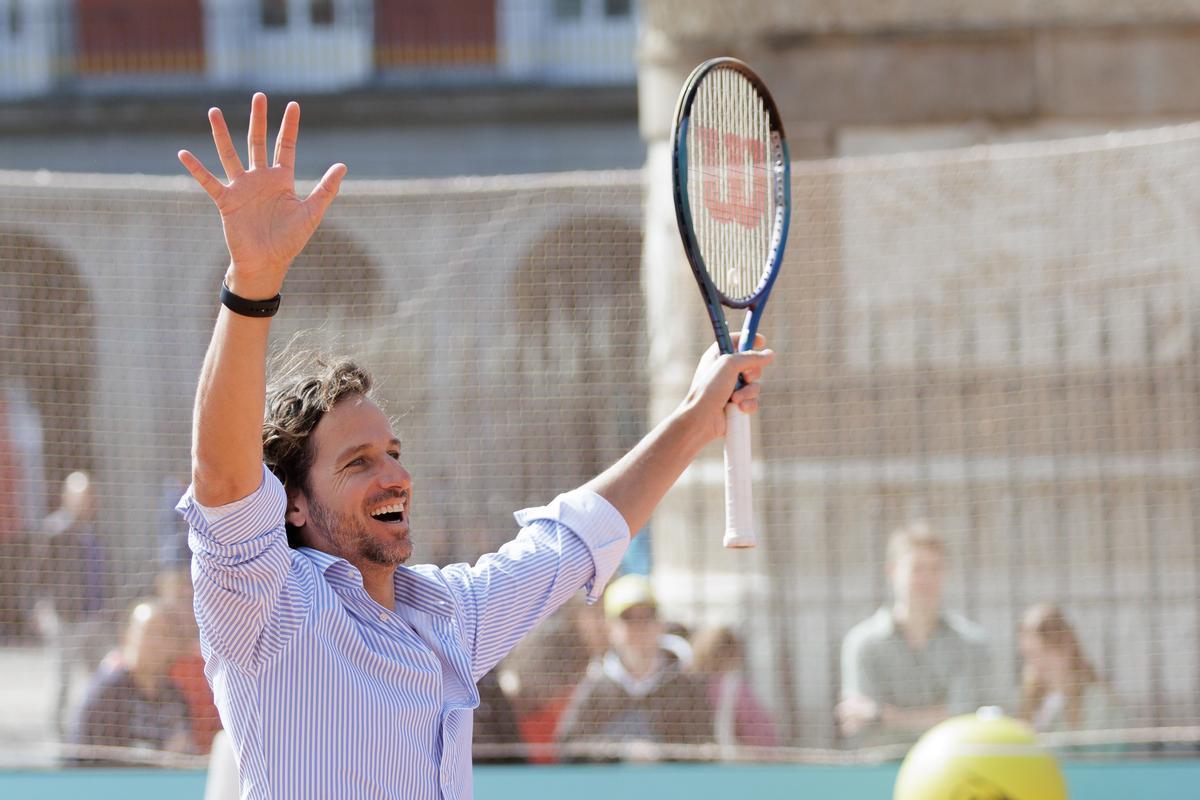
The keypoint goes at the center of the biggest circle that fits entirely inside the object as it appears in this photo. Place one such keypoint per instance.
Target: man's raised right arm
(266, 225)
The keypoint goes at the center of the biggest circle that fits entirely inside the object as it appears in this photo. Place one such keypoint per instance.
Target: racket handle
(739, 499)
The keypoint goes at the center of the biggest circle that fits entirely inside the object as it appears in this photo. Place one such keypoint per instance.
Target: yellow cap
(626, 592)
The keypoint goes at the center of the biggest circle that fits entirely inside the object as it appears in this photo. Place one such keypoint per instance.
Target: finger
(285, 142)
(323, 193)
(225, 149)
(206, 179)
(750, 391)
(747, 398)
(752, 362)
(256, 134)
(748, 407)
(751, 374)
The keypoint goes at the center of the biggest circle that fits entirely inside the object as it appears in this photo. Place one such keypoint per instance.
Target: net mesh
(1004, 343)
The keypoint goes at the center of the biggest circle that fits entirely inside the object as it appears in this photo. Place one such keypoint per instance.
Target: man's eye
(358, 462)
(395, 454)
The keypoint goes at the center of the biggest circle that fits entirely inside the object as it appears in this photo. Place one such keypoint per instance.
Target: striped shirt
(327, 694)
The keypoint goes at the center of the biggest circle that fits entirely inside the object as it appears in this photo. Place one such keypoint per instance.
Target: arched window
(47, 358)
(47, 341)
(580, 318)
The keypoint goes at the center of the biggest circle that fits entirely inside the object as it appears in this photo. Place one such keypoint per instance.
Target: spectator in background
(911, 664)
(637, 693)
(173, 589)
(173, 582)
(739, 719)
(1060, 689)
(132, 702)
(74, 576)
(497, 739)
(544, 670)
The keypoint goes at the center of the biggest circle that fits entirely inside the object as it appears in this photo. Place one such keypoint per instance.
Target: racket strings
(732, 182)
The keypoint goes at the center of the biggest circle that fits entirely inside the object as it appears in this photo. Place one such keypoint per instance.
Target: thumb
(323, 193)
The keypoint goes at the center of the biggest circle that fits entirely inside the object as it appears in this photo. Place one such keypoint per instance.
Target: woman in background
(739, 719)
(1060, 689)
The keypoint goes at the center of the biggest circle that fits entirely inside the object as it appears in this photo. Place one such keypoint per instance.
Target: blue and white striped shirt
(327, 694)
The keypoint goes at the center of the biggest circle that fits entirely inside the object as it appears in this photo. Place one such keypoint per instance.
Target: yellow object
(982, 756)
(625, 593)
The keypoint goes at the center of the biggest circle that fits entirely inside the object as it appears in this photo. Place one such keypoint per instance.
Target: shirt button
(383, 616)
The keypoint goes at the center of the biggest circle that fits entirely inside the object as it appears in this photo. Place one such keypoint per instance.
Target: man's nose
(397, 476)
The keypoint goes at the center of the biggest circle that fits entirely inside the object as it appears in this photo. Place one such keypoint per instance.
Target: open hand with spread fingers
(266, 223)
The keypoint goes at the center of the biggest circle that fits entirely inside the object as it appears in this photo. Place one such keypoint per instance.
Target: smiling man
(338, 670)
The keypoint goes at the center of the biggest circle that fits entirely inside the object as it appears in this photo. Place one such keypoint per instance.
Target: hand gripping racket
(733, 203)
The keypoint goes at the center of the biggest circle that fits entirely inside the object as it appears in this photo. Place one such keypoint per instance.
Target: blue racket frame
(714, 299)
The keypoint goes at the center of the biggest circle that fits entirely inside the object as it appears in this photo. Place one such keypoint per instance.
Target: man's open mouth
(393, 512)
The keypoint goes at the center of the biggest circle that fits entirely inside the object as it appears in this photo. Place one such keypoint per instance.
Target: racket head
(732, 181)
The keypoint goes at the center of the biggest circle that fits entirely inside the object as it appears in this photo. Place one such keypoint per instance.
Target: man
(910, 666)
(338, 671)
(74, 575)
(132, 702)
(637, 693)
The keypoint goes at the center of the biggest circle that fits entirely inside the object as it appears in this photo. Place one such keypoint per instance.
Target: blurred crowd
(619, 682)
(612, 681)
(144, 689)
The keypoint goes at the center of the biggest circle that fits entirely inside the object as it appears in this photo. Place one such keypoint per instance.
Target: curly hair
(307, 386)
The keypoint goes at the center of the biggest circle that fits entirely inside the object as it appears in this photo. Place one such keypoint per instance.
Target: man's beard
(352, 538)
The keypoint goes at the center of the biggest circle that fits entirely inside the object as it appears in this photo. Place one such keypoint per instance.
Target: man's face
(78, 497)
(358, 495)
(917, 577)
(636, 630)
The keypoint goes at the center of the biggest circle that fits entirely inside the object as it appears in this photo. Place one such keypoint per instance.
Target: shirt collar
(422, 592)
(414, 589)
(615, 669)
(322, 559)
(887, 623)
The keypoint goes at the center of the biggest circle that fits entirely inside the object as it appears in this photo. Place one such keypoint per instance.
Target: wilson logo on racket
(725, 179)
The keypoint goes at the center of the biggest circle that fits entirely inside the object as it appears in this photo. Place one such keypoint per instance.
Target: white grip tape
(739, 499)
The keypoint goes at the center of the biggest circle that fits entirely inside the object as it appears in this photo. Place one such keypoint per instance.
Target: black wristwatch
(249, 308)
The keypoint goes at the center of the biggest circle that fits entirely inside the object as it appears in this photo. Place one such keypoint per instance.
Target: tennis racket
(733, 204)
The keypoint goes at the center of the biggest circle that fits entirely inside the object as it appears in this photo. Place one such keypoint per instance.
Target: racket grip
(739, 499)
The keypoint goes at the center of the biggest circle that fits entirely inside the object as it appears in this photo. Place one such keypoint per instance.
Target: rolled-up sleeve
(596, 523)
(576, 542)
(239, 569)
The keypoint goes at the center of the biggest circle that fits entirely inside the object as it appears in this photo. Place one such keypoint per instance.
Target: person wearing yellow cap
(636, 701)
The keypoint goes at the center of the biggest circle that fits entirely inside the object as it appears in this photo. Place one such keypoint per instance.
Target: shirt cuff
(596, 523)
(262, 510)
